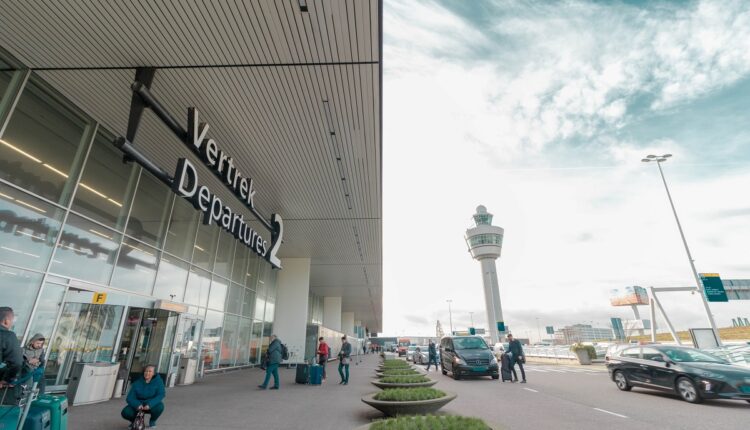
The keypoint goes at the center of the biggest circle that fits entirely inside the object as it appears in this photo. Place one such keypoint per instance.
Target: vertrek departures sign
(185, 182)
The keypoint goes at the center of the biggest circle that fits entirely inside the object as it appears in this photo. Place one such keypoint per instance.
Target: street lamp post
(450, 314)
(538, 331)
(471, 315)
(660, 159)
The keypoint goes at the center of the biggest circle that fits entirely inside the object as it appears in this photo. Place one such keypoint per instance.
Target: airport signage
(713, 287)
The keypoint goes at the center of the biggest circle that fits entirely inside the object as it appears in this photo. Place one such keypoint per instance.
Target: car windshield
(684, 355)
(469, 343)
(412, 348)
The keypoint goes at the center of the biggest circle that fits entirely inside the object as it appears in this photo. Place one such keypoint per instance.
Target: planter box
(417, 407)
(381, 374)
(492, 426)
(383, 385)
(583, 356)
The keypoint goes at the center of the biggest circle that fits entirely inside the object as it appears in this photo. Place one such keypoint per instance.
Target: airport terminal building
(176, 184)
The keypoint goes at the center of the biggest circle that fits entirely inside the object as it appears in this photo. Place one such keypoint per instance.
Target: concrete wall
(347, 323)
(332, 313)
(293, 287)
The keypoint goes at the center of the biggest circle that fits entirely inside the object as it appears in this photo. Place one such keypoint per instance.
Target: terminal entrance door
(147, 338)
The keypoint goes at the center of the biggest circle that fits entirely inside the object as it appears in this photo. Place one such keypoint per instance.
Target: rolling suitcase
(58, 409)
(505, 373)
(316, 375)
(37, 419)
(303, 374)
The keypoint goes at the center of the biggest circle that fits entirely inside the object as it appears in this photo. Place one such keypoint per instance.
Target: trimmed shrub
(395, 372)
(405, 379)
(430, 422)
(395, 363)
(588, 348)
(409, 394)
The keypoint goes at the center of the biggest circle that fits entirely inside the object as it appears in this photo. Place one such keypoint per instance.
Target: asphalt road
(583, 397)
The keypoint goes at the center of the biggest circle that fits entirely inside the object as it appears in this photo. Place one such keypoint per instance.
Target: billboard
(627, 296)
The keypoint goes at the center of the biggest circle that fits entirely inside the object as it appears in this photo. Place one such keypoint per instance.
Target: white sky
(542, 114)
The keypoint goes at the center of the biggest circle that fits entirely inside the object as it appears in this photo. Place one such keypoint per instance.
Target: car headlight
(458, 360)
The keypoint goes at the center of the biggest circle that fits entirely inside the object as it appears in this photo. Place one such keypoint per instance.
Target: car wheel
(442, 369)
(688, 391)
(495, 376)
(456, 375)
(622, 382)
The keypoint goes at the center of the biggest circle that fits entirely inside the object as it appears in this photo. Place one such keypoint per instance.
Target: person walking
(432, 356)
(146, 395)
(273, 359)
(11, 356)
(324, 351)
(344, 359)
(515, 348)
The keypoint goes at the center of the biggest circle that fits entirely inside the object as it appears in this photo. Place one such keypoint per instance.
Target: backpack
(284, 352)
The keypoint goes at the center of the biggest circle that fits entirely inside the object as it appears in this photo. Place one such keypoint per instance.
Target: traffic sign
(713, 287)
(550, 329)
(501, 327)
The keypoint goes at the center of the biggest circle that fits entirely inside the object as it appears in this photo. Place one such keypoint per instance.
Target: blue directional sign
(550, 329)
(713, 287)
(501, 327)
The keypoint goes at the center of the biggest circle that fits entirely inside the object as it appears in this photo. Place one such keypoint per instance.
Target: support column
(332, 313)
(292, 293)
(347, 323)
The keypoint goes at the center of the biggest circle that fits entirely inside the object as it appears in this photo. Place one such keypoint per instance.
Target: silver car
(423, 356)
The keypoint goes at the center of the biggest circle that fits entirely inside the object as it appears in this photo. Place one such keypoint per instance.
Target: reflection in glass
(218, 293)
(18, 289)
(225, 254)
(42, 147)
(198, 286)
(136, 267)
(171, 278)
(182, 226)
(28, 229)
(260, 305)
(248, 303)
(235, 298)
(252, 270)
(229, 341)
(86, 251)
(204, 249)
(104, 183)
(151, 206)
(211, 339)
(255, 346)
(46, 311)
(239, 267)
(270, 309)
(243, 347)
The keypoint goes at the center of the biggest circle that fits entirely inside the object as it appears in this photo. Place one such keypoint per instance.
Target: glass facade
(75, 220)
(486, 239)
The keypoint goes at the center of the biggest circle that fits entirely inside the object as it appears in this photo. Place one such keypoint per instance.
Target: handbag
(345, 360)
(139, 423)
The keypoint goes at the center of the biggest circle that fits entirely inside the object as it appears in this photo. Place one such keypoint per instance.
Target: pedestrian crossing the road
(564, 369)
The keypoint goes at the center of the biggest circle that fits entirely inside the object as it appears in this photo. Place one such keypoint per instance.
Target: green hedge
(395, 372)
(409, 394)
(588, 348)
(410, 379)
(430, 423)
(395, 363)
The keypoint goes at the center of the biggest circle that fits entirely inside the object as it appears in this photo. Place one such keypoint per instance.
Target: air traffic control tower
(485, 242)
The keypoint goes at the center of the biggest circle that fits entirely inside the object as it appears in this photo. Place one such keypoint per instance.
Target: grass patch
(404, 379)
(409, 394)
(395, 363)
(430, 423)
(396, 372)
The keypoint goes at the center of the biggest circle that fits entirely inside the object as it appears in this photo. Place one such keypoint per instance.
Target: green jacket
(11, 355)
(150, 394)
(274, 352)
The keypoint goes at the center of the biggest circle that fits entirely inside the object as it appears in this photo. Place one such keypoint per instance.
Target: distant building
(582, 333)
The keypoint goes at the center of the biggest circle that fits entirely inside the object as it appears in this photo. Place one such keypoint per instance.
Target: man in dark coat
(432, 356)
(11, 354)
(344, 359)
(273, 359)
(515, 348)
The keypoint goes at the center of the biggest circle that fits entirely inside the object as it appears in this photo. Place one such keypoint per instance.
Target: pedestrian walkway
(232, 401)
(555, 368)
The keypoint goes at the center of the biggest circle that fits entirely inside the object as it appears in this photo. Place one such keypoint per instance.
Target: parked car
(410, 350)
(692, 374)
(423, 357)
(467, 356)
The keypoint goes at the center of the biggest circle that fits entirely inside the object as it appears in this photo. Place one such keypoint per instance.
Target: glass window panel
(248, 303)
(86, 251)
(171, 278)
(229, 341)
(235, 298)
(270, 309)
(260, 304)
(49, 305)
(28, 229)
(104, 184)
(18, 289)
(198, 287)
(151, 206)
(136, 267)
(225, 254)
(260, 284)
(243, 348)
(252, 270)
(41, 149)
(211, 341)
(255, 341)
(5, 78)
(218, 294)
(182, 226)
(205, 246)
(239, 267)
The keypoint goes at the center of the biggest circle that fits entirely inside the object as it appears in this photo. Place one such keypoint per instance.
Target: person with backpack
(274, 355)
(344, 359)
(324, 351)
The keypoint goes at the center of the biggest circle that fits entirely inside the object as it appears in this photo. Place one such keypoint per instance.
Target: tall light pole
(450, 314)
(660, 159)
(471, 315)
(538, 331)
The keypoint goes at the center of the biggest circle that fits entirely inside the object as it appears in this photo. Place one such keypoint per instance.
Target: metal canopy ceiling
(294, 96)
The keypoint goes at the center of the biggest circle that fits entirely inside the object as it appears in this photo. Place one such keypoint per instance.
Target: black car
(692, 374)
(467, 356)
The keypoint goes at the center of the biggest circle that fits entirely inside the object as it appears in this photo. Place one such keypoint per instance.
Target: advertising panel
(627, 296)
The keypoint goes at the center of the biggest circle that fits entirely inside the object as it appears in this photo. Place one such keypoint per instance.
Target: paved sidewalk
(233, 401)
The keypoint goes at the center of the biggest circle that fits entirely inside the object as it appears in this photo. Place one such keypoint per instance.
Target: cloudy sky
(541, 111)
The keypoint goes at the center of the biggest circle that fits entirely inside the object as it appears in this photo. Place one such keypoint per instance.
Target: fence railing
(736, 354)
